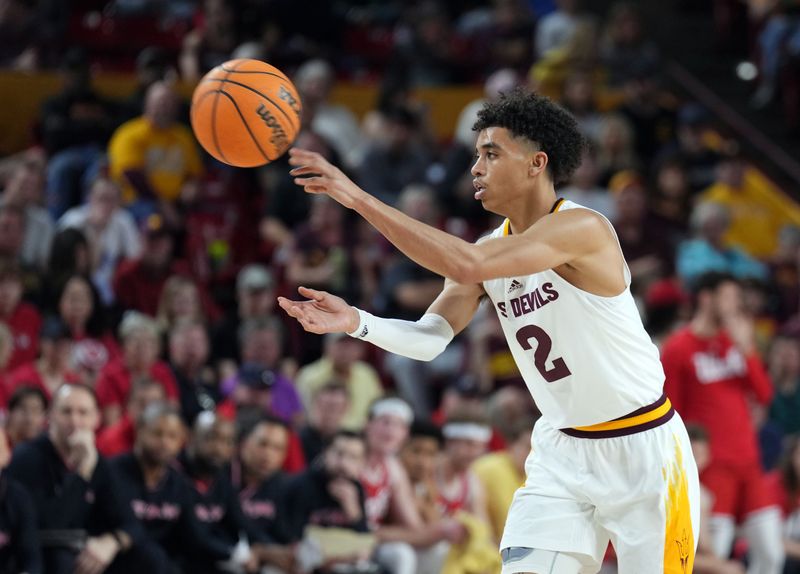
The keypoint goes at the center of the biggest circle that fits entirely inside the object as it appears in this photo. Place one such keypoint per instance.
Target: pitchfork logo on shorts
(683, 550)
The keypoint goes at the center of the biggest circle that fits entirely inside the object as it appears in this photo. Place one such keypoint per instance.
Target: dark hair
(155, 412)
(248, 423)
(540, 120)
(426, 429)
(347, 435)
(25, 392)
(96, 324)
(697, 432)
(62, 253)
(710, 281)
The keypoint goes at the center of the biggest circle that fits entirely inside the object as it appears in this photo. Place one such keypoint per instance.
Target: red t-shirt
(29, 376)
(709, 382)
(114, 382)
(118, 438)
(25, 323)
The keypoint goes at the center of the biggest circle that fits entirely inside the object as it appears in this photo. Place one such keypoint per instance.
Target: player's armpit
(571, 236)
(457, 303)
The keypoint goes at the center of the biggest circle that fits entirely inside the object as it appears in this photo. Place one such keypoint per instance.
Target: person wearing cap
(255, 297)
(262, 341)
(110, 231)
(52, 368)
(343, 361)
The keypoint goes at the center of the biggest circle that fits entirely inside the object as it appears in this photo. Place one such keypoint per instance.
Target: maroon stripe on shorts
(624, 431)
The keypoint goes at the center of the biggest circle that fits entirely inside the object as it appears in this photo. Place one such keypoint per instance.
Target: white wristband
(422, 340)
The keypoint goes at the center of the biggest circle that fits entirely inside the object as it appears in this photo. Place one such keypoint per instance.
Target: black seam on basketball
(244, 121)
(214, 125)
(225, 80)
(281, 76)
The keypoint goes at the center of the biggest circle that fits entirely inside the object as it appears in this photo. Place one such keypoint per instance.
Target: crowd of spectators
(164, 415)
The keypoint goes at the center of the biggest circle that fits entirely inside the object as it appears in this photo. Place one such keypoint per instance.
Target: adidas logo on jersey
(515, 285)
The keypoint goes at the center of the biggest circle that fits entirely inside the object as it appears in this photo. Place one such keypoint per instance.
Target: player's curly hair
(540, 120)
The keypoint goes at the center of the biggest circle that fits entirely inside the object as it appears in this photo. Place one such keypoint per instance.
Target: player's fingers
(314, 180)
(303, 170)
(311, 293)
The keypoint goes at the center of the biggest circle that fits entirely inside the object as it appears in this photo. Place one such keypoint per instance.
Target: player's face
(419, 457)
(162, 440)
(502, 168)
(264, 450)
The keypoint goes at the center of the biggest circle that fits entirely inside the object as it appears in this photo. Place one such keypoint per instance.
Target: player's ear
(537, 164)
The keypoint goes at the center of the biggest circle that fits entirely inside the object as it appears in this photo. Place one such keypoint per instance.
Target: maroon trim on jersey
(557, 205)
(627, 430)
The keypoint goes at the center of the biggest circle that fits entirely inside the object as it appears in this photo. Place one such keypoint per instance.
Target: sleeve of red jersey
(758, 379)
(673, 360)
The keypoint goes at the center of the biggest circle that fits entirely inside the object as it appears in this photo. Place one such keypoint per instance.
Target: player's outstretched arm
(554, 240)
(422, 340)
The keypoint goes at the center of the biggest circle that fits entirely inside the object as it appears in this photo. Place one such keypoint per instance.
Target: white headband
(395, 407)
(468, 431)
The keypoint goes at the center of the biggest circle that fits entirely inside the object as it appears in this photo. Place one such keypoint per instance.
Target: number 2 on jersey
(544, 345)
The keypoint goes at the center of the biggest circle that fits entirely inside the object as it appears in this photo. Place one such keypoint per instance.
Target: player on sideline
(611, 459)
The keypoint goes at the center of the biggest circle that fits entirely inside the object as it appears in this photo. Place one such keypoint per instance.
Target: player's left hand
(318, 175)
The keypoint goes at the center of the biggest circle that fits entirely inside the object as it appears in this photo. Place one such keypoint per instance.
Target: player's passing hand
(317, 175)
(322, 312)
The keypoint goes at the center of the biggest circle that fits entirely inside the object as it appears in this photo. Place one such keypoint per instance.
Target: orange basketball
(246, 113)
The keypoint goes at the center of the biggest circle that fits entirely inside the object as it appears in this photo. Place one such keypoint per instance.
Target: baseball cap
(254, 277)
(256, 377)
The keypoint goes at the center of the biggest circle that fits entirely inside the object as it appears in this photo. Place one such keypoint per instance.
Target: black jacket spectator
(19, 540)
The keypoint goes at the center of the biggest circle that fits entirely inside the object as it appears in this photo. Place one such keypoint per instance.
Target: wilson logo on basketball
(278, 138)
(287, 97)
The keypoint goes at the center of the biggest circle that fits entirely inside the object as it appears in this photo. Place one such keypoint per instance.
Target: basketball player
(611, 458)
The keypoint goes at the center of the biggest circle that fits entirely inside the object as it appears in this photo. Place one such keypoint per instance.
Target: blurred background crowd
(138, 283)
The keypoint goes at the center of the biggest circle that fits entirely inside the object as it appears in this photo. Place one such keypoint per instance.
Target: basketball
(245, 113)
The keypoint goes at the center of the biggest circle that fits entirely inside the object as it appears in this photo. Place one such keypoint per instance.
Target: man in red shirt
(713, 371)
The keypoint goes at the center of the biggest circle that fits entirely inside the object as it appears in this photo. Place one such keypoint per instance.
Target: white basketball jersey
(586, 359)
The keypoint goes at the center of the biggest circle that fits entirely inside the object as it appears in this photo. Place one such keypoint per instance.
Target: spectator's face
(345, 458)
(419, 457)
(26, 185)
(161, 106)
(731, 172)
(103, 201)
(12, 232)
(386, 434)
(585, 176)
(141, 350)
(672, 182)
(76, 303)
(143, 396)
(158, 250)
(10, 295)
(161, 440)
(631, 204)
(28, 419)
(262, 347)
(702, 453)
(56, 352)
(264, 450)
(784, 359)
(345, 351)
(463, 452)
(256, 302)
(215, 445)
(185, 302)
(189, 347)
(330, 408)
(578, 93)
(74, 410)
(728, 301)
